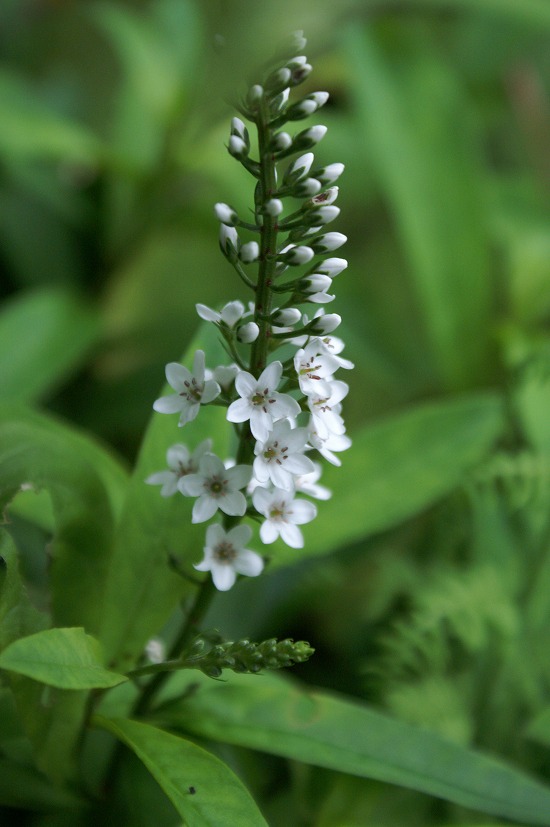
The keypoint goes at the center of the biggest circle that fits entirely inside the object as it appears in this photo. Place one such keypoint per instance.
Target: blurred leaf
(539, 728)
(204, 791)
(66, 658)
(329, 731)
(35, 450)
(398, 467)
(44, 336)
(25, 788)
(415, 127)
(29, 129)
(142, 590)
(17, 616)
(531, 12)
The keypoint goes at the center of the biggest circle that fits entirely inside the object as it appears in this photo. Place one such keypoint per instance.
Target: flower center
(194, 390)
(216, 487)
(224, 552)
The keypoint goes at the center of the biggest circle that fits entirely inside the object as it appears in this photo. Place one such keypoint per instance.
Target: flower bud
(299, 70)
(229, 241)
(298, 169)
(248, 333)
(255, 95)
(322, 215)
(240, 131)
(296, 255)
(279, 102)
(307, 106)
(327, 242)
(330, 173)
(331, 266)
(326, 198)
(249, 252)
(316, 283)
(286, 317)
(226, 214)
(306, 188)
(278, 80)
(280, 142)
(273, 207)
(237, 147)
(299, 42)
(309, 137)
(326, 324)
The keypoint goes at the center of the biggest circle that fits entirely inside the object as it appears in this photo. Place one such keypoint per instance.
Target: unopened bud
(296, 255)
(248, 333)
(331, 266)
(309, 137)
(298, 169)
(307, 106)
(316, 283)
(307, 188)
(273, 207)
(229, 241)
(239, 129)
(226, 214)
(323, 215)
(255, 95)
(249, 252)
(280, 141)
(286, 317)
(327, 242)
(326, 324)
(330, 173)
(325, 198)
(279, 101)
(278, 80)
(237, 147)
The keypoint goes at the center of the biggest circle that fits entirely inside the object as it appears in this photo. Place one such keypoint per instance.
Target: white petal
(260, 424)
(302, 512)
(192, 485)
(214, 535)
(271, 376)
(204, 508)
(198, 365)
(268, 532)
(245, 383)
(211, 466)
(261, 470)
(239, 535)
(239, 411)
(239, 476)
(280, 477)
(249, 563)
(261, 499)
(299, 464)
(168, 404)
(232, 312)
(207, 313)
(223, 576)
(189, 411)
(211, 390)
(233, 504)
(177, 375)
(204, 565)
(292, 535)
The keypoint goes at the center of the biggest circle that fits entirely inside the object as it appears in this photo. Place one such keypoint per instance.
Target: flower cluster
(284, 410)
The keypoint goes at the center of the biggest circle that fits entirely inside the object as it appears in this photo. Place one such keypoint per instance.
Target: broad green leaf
(35, 451)
(30, 130)
(398, 467)
(65, 658)
(23, 787)
(44, 335)
(204, 791)
(325, 730)
(415, 127)
(142, 590)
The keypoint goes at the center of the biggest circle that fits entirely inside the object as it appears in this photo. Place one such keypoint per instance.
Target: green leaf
(398, 467)
(333, 732)
(17, 616)
(38, 451)
(416, 129)
(142, 590)
(65, 658)
(204, 791)
(52, 332)
(23, 787)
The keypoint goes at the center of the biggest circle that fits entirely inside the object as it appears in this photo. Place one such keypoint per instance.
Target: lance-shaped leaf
(65, 658)
(204, 791)
(344, 735)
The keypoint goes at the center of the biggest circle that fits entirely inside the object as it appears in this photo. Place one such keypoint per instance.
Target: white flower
(326, 445)
(313, 363)
(229, 315)
(225, 556)
(334, 346)
(280, 457)
(326, 198)
(216, 487)
(307, 484)
(283, 515)
(260, 403)
(325, 407)
(192, 390)
(180, 462)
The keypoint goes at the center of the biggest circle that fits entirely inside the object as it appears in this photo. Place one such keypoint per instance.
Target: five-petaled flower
(281, 456)
(192, 390)
(283, 514)
(180, 462)
(260, 402)
(225, 555)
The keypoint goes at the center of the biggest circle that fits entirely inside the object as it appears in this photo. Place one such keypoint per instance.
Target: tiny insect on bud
(325, 198)
(248, 333)
(249, 252)
(226, 214)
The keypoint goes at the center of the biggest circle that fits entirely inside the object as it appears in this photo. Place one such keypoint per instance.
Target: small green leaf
(334, 732)
(65, 658)
(204, 791)
(53, 331)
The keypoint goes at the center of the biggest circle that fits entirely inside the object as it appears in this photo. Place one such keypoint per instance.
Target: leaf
(398, 467)
(415, 127)
(203, 790)
(343, 735)
(65, 658)
(17, 616)
(52, 332)
(142, 591)
(35, 450)
(23, 787)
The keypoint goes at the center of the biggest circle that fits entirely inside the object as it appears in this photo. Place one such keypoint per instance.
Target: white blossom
(216, 487)
(229, 315)
(225, 556)
(260, 402)
(307, 484)
(180, 462)
(325, 407)
(192, 390)
(327, 445)
(281, 456)
(313, 363)
(283, 514)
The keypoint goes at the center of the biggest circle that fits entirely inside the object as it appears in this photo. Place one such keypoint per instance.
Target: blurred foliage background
(113, 119)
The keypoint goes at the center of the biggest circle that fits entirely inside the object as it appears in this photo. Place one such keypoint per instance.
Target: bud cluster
(245, 656)
(284, 411)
